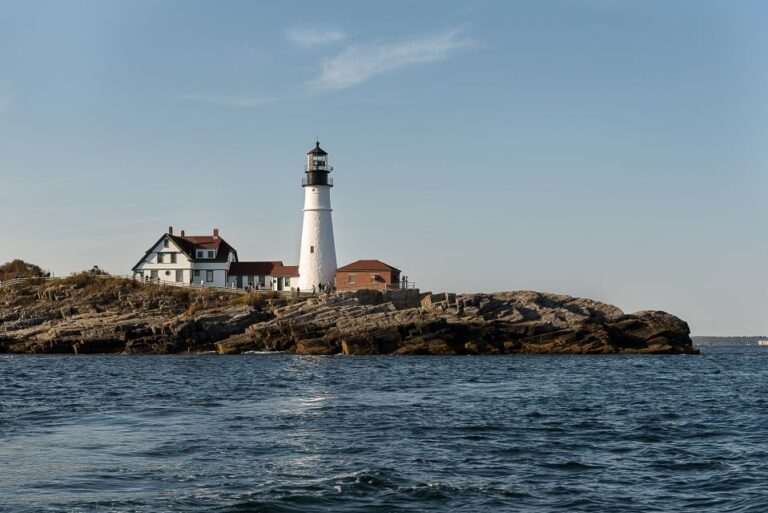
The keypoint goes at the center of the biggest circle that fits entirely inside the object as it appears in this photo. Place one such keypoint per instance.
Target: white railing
(15, 281)
(400, 285)
(8, 283)
(197, 286)
(163, 283)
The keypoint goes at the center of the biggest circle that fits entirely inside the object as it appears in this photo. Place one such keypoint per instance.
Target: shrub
(253, 299)
(20, 269)
(79, 280)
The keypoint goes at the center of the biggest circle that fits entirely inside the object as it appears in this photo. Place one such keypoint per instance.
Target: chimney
(170, 230)
(182, 233)
(216, 232)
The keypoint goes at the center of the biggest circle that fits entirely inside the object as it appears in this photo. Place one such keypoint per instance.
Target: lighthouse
(317, 258)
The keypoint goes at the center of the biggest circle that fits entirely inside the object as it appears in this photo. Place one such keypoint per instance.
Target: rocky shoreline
(90, 314)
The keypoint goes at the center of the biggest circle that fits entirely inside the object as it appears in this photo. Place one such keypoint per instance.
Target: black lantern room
(317, 168)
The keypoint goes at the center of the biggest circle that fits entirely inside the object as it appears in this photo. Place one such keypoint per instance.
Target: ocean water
(283, 433)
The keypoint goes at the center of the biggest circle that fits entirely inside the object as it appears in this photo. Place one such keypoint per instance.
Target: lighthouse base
(317, 262)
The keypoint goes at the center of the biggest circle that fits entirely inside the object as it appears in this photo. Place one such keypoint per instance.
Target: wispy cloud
(312, 37)
(228, 100)
(356, 64)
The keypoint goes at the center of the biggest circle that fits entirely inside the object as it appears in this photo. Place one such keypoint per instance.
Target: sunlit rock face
(406, 322)
(107, 315)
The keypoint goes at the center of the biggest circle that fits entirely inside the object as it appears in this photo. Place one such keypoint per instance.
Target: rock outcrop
(105, 315)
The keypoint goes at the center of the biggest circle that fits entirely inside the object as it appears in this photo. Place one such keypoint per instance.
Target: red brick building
(367, 274)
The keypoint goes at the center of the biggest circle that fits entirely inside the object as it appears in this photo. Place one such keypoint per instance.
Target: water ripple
(279, 433)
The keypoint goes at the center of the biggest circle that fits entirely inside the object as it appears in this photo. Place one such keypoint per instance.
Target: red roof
(190, 243)
(286, 270)
(368, 265)
(275, 268)
(251, 268)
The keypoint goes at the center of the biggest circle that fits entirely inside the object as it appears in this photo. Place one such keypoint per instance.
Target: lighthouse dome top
(317, 150)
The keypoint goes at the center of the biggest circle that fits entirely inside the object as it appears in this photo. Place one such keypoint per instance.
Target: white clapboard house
(208, 260)
(199, 259)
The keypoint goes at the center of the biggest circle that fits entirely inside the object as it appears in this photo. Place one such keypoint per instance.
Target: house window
(262, 280)
(173, 258)
(287, 281)
(200, 253)
(160, 258)
(311, 249)
(210, 254)
(197, 273)
(165, 243)
(179, 275)
(153, 274)
(351, 279)
(209, 276)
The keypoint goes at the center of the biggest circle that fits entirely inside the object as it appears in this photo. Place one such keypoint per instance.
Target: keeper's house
(367, 274)
(200, 259)
(209, 261)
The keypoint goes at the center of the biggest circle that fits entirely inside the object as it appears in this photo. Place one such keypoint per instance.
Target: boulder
(438, 302)
(316, 346)
(355, 345)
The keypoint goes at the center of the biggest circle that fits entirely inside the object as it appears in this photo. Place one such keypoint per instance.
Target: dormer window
(204, 254)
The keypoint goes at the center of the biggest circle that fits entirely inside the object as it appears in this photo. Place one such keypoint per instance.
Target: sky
(598, 148)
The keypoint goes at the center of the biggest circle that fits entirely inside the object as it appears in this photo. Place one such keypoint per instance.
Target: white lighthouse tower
(317, 258)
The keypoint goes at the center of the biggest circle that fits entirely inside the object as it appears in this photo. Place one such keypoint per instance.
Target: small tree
(20, 269)
(96, 270)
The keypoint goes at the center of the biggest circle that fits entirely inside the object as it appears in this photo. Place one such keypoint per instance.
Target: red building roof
(285, 270)
(275, 268)
(252, 268)
(368, 265)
